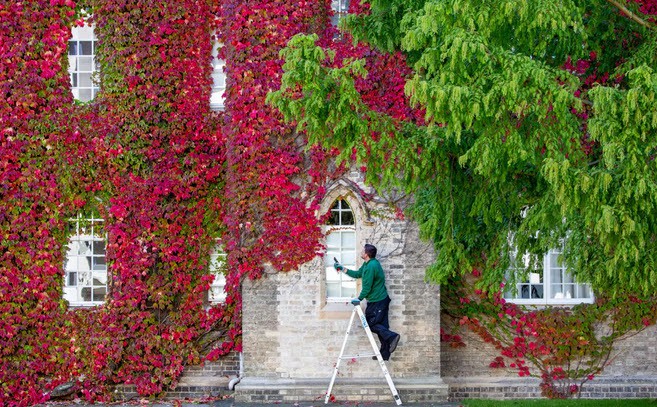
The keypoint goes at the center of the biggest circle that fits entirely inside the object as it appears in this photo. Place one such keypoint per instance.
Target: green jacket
(374, 281)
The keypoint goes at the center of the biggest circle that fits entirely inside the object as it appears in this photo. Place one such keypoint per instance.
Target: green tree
(539, 128)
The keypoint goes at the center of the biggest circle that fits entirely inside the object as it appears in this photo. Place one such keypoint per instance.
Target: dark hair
(370, 250)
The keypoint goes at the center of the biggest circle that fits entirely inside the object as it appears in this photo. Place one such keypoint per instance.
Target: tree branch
(631, 15)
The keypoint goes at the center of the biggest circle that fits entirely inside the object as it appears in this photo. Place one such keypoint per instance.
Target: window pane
(333, 289)
(583, 291)
(85, 294)
(99, 247)
(99, 294)
(536, 278)
(328, 257)
(348, 288)
(347, 218)
(100, 278)
(349, 258)
(85, 64)
(557, 291)
(99, 263)
(84, 278)
(333, 240)
(85, 80)
(84, 95)
(348, 239)
(529, 291)
(334, 219)
(85, 48)
(73, 48)
(332, 274)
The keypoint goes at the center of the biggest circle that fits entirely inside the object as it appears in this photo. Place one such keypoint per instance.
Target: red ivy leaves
(160, 168)
(563, 344)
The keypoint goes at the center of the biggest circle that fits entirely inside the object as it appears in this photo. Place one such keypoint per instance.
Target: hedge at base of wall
(610, 387)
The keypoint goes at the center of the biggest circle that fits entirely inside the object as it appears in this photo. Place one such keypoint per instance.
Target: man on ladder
(378, 301)
(375, 318)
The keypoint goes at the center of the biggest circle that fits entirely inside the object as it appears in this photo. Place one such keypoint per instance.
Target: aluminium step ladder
(377, 353)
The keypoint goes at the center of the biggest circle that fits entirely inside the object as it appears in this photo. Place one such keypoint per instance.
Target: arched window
(340, 244)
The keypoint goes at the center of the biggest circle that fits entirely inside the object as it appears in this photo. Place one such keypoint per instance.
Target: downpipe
(234, 381)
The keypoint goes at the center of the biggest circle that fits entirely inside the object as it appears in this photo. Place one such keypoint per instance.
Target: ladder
(377, 353)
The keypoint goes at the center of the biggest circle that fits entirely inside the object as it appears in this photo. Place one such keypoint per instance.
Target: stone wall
(632, 372)
(633, 357)
(292, 336)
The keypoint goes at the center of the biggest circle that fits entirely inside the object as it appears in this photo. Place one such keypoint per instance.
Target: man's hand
(355, 301)
(338, 266)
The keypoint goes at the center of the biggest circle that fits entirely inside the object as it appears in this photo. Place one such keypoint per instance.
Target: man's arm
(355, 273)
(368, 279)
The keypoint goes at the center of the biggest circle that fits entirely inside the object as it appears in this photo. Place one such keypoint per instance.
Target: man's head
(370, 251)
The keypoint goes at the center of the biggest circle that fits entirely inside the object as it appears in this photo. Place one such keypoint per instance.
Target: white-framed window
(217, 293)
(82, 66)
(218, 78)
(85, 282)
(340, 9)
(550, 284)
(340, 244)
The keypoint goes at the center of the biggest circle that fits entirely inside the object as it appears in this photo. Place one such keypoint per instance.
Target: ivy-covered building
(165, 231)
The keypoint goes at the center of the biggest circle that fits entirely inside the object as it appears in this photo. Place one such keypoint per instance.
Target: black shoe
(384, 358)
(394, 342)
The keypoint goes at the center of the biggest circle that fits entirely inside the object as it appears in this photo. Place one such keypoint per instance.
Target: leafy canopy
(538, 129)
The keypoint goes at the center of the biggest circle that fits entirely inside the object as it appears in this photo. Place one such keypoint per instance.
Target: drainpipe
(234, 381)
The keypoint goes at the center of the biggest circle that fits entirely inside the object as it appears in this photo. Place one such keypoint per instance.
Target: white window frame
(83, 64)
(347, 256)
(78, 262)
(217, 292)
(217, 95)
(550, 267)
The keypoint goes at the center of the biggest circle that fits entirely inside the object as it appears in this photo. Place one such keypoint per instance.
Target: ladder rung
(366, 355)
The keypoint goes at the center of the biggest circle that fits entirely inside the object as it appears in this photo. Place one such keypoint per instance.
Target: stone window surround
(334, 310)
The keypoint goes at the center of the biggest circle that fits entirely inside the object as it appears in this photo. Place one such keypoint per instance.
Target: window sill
(554, 303)
(336, 310)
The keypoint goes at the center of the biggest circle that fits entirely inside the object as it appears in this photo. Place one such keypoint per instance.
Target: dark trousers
(376, 315)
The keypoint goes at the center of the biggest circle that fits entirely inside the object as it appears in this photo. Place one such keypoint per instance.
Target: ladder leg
(382, 363)
(337, 364)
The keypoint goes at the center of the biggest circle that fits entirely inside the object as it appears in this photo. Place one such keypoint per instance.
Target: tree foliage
(538, 129)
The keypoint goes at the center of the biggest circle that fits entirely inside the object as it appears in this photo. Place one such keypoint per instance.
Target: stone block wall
(632, 372)
(292, 336)
(633, 357)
